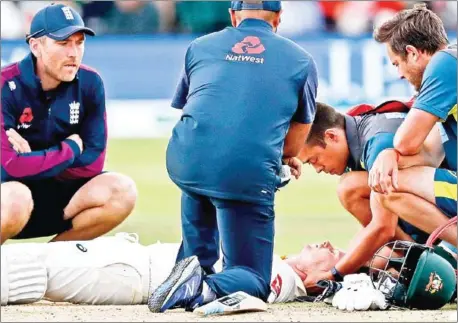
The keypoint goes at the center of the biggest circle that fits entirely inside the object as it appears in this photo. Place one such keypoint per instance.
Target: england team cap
(57, 22)
(256, 5)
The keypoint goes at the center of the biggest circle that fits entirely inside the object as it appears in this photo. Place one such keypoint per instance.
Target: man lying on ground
(120, 271)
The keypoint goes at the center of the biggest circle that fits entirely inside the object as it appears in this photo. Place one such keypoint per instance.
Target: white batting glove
(285, 176)
(358, 294)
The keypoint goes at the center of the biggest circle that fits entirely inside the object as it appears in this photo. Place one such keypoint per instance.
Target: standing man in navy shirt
(248, 101)
(54, 139)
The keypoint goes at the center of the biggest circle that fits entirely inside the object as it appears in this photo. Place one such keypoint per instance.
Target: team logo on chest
(276, 285)
(12, 85)
(74, 112)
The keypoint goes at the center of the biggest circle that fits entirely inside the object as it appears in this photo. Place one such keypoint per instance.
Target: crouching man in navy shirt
(248, 102)
(54, 139)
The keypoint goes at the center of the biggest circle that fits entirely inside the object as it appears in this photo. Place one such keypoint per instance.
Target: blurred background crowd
(147, 17)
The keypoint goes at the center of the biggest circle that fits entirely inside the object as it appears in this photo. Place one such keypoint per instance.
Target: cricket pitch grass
(307, 211)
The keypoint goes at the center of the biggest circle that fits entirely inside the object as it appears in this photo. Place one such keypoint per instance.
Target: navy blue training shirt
(240, 90)
(46, 118)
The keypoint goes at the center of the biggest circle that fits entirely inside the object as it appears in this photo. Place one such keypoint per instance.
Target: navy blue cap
(57, 22)
(256, 5)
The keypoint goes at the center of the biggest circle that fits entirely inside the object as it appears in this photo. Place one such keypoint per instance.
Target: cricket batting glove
(285, 176)
(330, 289)
(358, 294)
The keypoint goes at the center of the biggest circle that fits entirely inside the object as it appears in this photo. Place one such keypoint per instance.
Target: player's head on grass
(412, 36)
(269, 11)
(56, 40)
(326, 148)
(314, 258)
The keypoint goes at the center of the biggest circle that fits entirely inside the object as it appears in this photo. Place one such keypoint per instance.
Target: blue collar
(354, 143)
(30, 78)
(252, 22)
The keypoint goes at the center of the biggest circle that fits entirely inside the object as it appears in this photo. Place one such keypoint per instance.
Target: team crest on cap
(68, 13)
(435, 283)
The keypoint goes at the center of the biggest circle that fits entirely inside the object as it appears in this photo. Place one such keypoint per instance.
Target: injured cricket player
(118, 270)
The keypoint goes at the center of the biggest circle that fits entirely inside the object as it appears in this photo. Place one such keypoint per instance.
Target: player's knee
(123, 193)
(16, 207)
(386, 200)
(349, 192)
(344, 194)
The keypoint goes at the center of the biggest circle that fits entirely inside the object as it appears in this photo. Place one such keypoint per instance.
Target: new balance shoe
(182, 289)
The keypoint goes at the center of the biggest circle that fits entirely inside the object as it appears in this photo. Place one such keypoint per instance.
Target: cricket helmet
(414, 275)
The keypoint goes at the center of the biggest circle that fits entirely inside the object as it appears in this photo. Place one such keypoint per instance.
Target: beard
(416, 77)
(53, 73)
(59, 76)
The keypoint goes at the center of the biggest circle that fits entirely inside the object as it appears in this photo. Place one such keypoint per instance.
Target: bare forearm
(369, 240)
(295, 139)
(290, 152)
(412, 133)
(431, 154)
(406, 148)
(421, 159)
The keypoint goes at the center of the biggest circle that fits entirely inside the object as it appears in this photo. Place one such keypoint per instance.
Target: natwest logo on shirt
(250, 45)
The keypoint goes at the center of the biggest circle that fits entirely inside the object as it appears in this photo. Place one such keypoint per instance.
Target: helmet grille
(392, 268)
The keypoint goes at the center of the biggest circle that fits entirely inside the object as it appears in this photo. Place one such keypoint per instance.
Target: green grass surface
(307, 210)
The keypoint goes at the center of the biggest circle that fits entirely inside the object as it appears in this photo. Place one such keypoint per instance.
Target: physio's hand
(383, 176)
(20, 145)
(358, 294)
(314, 276)
(76, 138)
(296, 166)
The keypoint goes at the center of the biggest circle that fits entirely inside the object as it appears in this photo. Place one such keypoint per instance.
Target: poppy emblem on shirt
(25, 119)
(26, 116)
(250, 45)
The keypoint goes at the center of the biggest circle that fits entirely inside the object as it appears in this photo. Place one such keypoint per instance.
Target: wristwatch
(337, 276)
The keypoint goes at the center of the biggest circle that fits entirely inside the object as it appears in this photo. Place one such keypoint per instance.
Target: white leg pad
(23, 278)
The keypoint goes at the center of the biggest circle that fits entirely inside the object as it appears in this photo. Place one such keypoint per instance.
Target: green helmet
(414, 275)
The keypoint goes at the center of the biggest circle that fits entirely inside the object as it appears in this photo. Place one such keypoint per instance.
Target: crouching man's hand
(295, 166)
